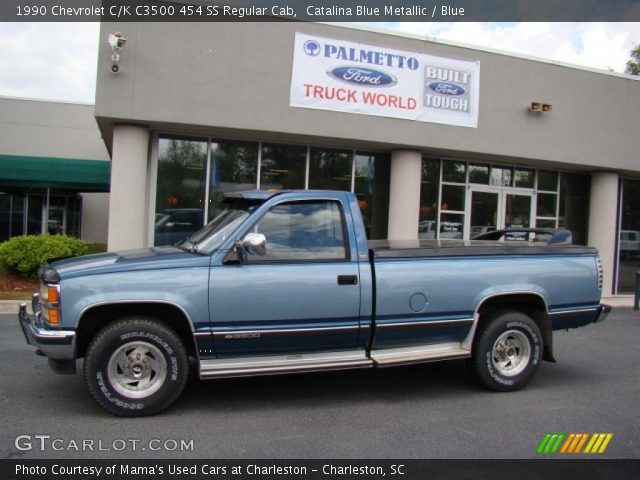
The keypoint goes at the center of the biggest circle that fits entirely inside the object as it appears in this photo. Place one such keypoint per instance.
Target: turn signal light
(52, 295)
(54, 316)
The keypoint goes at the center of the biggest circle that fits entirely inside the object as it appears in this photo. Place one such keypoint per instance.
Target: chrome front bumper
(55, 344)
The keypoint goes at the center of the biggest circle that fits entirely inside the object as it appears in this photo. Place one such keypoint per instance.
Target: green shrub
(25, 254)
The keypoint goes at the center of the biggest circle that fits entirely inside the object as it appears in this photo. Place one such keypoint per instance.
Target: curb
(619, 301)
(10, 306)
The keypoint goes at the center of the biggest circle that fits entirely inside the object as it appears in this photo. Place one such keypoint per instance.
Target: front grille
(600, 273)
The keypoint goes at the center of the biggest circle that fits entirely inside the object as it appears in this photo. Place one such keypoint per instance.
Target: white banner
(352, 77)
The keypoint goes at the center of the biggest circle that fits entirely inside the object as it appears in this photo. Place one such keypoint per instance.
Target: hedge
(25, 254)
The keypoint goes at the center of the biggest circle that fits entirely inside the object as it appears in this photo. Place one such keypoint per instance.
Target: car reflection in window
(302, 231)
(175, 224)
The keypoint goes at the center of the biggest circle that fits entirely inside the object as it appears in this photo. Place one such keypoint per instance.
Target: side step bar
(272, 365)
(419, 354)
(314, 362)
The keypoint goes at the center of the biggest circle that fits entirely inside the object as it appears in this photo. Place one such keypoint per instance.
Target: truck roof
(264, 195)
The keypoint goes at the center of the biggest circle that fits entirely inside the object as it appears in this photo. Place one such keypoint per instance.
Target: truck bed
(463, 248)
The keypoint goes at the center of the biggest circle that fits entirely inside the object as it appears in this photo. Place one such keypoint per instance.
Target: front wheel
(136, 367)
(507, 351)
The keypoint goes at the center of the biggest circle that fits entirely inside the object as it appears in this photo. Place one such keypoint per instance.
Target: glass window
(575, 191)
(479, 174)
(371, 186)
(547, 180)
(545, 223)
(302, 231)
(34, 214)
(546, 205)
(517, 211)
(233, 167)
(17, 215)
(453, 198)
(484, 213)
(454, 172)
(451, 226)
(57, 215)
(330, 169)
(231, 214)
(629, 243)
(11, 215)
(524, 178)
(429, 180)
(180, 188)
(74, 214)
(283, 167)
(501, 176)
(5, 216)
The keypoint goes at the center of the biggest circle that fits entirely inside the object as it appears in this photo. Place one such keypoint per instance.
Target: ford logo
(362, 76)
(447, 88)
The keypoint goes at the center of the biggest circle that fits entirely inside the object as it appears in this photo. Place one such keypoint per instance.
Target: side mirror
(253, 243)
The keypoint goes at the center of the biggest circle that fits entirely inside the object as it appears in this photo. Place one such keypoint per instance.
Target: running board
(419, 354)
(277, 364)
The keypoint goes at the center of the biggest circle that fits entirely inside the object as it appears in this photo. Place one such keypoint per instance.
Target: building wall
(49, 129)
(232, 82)
(95, 213)
(236, 78)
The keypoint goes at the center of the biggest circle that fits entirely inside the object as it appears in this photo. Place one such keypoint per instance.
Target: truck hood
(128, 260)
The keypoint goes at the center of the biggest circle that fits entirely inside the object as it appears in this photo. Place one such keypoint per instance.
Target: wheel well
(94, 319)
(529, 304)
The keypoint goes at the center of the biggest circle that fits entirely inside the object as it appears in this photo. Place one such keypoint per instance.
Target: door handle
(347, 279)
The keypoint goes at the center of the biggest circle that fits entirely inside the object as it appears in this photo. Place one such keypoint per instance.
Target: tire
(507, 351)
(136, 367)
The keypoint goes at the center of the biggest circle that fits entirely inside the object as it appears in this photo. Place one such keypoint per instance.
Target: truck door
(303, 295)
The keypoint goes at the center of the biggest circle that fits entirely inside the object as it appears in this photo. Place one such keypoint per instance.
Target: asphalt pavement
(428, 411)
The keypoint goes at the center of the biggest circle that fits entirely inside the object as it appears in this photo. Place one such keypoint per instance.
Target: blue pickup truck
(283, 282)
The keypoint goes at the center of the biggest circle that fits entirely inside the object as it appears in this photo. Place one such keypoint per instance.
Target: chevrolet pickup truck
(283, 282)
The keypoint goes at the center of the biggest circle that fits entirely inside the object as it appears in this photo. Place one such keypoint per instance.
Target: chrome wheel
(137, 370)
(511, 353)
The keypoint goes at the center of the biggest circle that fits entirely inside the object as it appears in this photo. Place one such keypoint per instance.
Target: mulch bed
(10, 282)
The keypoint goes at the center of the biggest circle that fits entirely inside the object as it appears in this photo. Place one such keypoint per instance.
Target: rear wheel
(507, 351)
(135, 367)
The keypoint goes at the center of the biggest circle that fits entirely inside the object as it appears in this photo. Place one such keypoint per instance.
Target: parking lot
(429, 411)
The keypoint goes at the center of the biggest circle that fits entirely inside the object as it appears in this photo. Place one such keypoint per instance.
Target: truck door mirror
(254, 244)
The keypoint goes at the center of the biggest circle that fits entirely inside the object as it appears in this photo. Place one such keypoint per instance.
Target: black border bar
(592, 469)
(319, 10)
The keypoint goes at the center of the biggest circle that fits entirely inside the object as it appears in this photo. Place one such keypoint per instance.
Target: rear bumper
(603, 312)
(566, 319)
(55, 344)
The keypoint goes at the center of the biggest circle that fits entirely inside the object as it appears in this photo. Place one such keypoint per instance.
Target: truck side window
(298, 231)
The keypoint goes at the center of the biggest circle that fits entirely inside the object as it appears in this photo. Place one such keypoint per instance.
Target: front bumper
(603, 312)
(55, 344)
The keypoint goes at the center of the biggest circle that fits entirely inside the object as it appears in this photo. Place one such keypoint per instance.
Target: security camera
(116, 41)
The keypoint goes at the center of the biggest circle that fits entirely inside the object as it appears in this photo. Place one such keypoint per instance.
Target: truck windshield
(227, 218)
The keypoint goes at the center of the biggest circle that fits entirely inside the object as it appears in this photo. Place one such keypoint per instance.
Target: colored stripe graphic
(598, 443)
(573, 443)
(550, 443)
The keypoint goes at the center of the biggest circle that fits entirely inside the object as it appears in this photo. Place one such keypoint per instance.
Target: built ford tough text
(286, 281)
